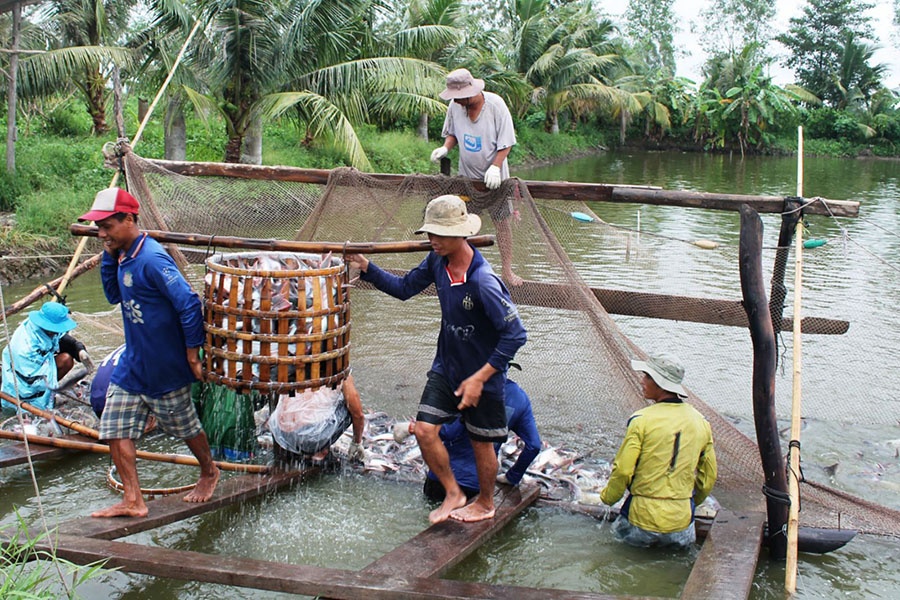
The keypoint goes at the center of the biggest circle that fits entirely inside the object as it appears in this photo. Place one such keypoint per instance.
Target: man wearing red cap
(163, 324)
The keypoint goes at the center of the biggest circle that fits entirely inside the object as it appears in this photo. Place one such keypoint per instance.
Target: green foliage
(816, 41)
(68, 120)
(41, 579)
(11, 189)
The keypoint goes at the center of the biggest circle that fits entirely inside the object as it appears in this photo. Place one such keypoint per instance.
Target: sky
(688, 12)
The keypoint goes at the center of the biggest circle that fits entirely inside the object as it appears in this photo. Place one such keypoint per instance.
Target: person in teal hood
(39, 354)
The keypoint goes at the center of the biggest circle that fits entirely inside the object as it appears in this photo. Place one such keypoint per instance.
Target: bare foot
(513, 279)
(122, 509)
(442, 512)
(204, 489)
(472, 513)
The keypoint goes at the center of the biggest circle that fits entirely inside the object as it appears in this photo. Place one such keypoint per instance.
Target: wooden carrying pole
(177, 459)
(790, 576)
(196, 239)
(103, 448)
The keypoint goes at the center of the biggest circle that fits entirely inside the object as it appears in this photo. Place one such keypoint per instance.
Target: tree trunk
(233, 148)
(422, 129)
(175, 130)
(623, 125)
(96, 100)
(251, 154)
(143, 107)
(11, 132)
(118, 110)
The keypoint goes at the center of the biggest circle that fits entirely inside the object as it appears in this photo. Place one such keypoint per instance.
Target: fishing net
(576, 364)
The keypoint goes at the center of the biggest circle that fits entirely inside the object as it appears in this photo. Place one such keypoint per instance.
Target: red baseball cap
(109, 202)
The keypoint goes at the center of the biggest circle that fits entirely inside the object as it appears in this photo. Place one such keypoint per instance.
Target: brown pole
(196, 239)
(762, 335)
(178, 459)
(82, 429)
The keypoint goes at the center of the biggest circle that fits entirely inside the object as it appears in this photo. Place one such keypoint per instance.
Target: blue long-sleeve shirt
(479, 322)
(520, 420)
(162, 316)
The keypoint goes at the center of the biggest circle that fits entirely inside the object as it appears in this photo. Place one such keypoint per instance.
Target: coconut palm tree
(86, 34)
(265, 58)
(564, 54)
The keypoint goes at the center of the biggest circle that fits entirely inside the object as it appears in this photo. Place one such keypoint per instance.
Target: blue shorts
(484, 423)
(125, 414)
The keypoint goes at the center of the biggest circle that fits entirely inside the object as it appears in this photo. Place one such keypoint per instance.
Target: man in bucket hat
(163, 324)
(480, 333)
(480, 123)
(40, 353)
(666, 462)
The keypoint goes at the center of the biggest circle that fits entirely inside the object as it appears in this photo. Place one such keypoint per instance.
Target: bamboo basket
(276, 330)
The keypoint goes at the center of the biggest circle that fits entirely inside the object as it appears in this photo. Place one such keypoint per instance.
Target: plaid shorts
(125, 414)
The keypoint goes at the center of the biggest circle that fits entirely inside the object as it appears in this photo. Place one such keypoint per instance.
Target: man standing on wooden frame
(163, 323)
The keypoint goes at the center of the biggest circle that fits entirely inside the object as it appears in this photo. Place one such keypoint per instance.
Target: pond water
(348, 521)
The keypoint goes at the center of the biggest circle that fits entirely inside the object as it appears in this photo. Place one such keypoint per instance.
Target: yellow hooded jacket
(665, 460)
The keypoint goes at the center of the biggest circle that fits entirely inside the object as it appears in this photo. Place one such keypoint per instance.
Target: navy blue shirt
(479, 322)
(162, 316)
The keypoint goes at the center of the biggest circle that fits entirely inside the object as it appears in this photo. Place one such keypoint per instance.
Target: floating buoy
(814, 243)
(580, 216)
(706, 244)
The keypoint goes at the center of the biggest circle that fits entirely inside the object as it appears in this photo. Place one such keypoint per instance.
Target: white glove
(355, 452)
(501, 478)
(438, 153)
(492, 177)
(85, 359)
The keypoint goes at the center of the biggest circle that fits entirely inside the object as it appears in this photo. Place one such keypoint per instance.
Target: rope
(705, 244)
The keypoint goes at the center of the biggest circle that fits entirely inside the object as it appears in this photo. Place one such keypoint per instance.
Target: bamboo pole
(177, 459)
(47, 288)
(137, 138)
(793, 525)
(82, 429)
(548, 190)
(197, 239)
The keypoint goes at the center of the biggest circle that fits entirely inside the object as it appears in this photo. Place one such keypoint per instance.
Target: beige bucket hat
(461, 84)
(447, 216)
(665, 371)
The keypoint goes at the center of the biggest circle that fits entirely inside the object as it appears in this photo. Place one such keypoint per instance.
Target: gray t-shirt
(480, 141)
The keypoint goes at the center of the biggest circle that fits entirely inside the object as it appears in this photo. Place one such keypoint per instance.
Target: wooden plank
(173, 508)
(288, 578)
(551, 190)
(16, 454)
(645, 304)
(726, 565)
(444, 545)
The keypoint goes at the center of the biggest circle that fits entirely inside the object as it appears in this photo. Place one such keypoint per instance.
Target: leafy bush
(11, 189)
(68, 120)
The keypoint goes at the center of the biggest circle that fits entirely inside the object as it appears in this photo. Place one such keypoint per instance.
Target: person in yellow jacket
(666, 462)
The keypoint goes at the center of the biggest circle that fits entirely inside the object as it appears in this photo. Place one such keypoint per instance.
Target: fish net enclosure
(576, 271)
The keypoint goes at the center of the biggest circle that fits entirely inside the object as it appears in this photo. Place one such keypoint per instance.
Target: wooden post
(789, 219)
(790, 578)
(12, 91)
(762, 335)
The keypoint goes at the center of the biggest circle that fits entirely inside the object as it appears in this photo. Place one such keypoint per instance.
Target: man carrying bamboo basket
(163, 324)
